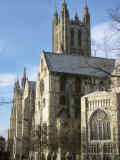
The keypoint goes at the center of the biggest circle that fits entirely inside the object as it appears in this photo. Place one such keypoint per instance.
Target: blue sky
(25, 29)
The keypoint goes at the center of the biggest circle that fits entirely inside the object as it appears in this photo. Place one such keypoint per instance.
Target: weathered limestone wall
(42, 94)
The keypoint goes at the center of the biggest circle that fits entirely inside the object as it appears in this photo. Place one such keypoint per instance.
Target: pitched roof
(79, 65)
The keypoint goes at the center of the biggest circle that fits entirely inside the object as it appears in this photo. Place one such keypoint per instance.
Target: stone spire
(64, 2)
(24, 78)
(64, 10)
(16, 86)
(24, 74)
(76, 16)
(55, 20)
(86, 15)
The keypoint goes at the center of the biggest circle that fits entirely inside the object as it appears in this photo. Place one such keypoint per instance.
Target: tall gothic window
(62, 83)
(77, 85)
(100, 126)
(62, 100)
(79, 38)
(72, 37)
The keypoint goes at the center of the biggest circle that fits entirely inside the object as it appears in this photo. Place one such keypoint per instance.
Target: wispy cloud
(7, 79)
(105, 40)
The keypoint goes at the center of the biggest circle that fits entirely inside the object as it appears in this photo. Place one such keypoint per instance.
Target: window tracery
(100, 126)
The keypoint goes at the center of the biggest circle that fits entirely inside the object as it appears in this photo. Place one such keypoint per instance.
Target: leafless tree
(103, 46)
(114, 46)
(114, 15)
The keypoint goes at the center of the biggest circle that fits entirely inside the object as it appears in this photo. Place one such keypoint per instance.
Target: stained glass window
(100, 126)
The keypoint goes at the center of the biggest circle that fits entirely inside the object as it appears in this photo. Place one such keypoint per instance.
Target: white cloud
(6, 79)
(99, 30)
(105, 40)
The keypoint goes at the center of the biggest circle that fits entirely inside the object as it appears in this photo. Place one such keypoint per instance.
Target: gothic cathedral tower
(71, 36)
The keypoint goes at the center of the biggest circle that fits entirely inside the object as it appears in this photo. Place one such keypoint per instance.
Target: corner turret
(64, 11)
(17, 85)
(55, 19)
(55, 23)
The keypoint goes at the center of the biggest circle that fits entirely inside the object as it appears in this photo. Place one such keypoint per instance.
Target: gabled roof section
(79, 65)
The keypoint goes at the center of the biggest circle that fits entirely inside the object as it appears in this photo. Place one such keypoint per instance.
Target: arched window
(62, 100)
(79, 38)
(62, 83)
(78, 85)
(100, 126)
(72, 37)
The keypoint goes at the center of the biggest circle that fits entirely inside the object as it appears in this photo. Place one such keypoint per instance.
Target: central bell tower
(71, 36)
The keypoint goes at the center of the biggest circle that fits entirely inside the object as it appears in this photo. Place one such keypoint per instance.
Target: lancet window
(62, 83)
(72, 37)
(79, 38)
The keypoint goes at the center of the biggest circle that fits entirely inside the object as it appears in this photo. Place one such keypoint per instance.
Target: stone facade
(21, 117)
(100, 114)
(71, 96)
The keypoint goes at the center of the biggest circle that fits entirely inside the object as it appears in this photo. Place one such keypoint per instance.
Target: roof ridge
(63, 54)
(72, 64)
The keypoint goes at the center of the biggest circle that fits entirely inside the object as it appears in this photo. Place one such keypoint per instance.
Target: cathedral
(74, 104)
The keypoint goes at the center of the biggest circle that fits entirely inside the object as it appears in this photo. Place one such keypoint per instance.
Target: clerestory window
(72, 37)
(79, 38)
